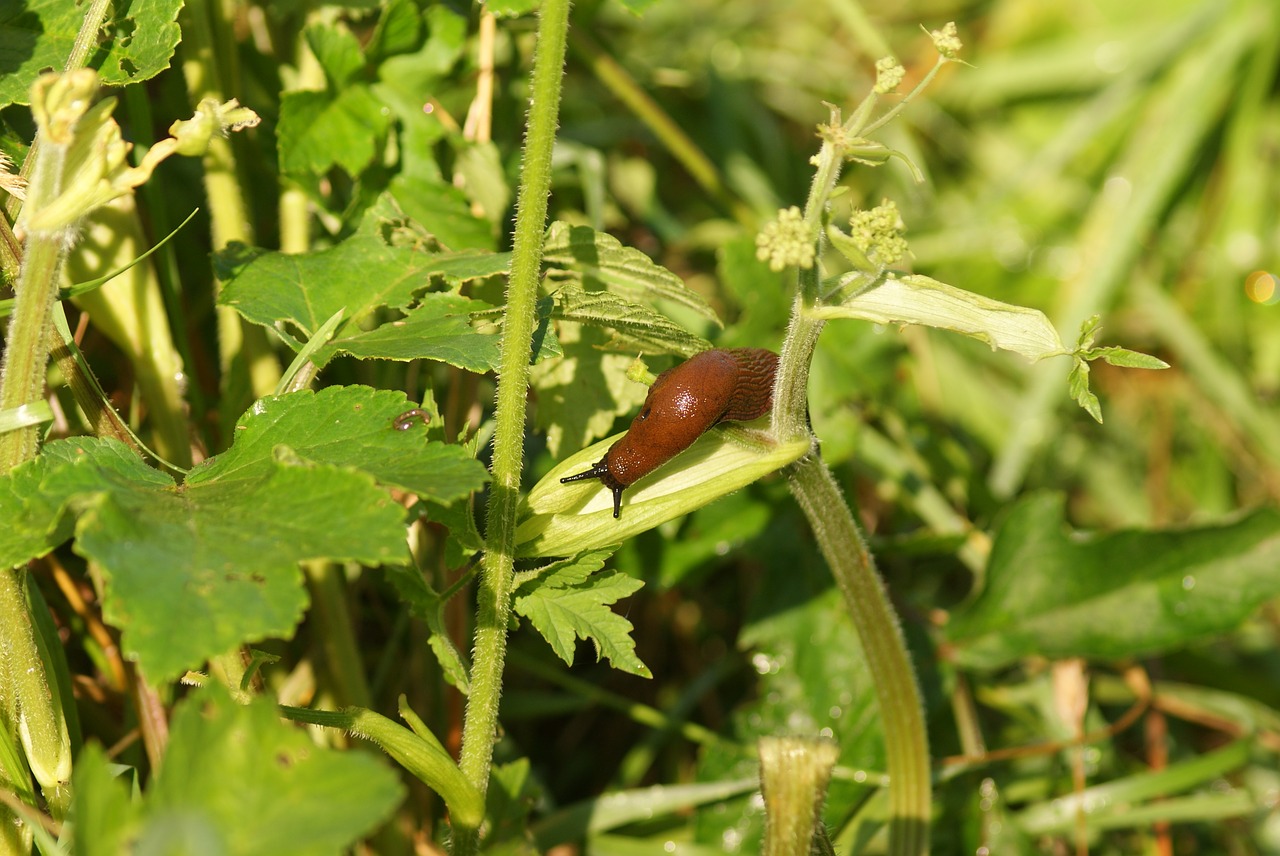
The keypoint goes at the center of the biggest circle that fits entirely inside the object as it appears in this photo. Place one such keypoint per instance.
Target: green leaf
(193, 573)
(1078, 384)
(444, 211)
(915, 299)
(570, 601)
(347, 426)
(106, 819)
(319, 130)
(564, 519)
(399, 31)
(34, 495)
(241, 782)
(579, 254)
(638, 328)
(338, 52)
(438, 328)
(137, 42)
(1127, 594)
(364, 274)
(1126, 358)
(194, 570)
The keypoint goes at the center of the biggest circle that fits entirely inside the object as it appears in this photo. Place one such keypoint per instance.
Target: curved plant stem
(495, 587)
(842, 542)
(901, 714)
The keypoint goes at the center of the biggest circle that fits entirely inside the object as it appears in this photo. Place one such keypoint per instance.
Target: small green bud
(878, 233)
(787, 241)
(947, 41)
(889, 73)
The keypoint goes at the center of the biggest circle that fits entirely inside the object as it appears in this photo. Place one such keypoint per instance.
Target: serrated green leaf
(136, 43)
(599, 261)
(364, 274)
(289, 795)
(438, 328)
(915, 299)
(193, 571)
(1127, 359)
(34, 495)
(570, 601)
(347, 426)
(399, 31)
(1127, 594)
(638, 327)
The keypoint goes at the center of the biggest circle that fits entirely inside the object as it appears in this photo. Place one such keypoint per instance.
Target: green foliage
(1111, 167)
(1050, 594)
(290, 796)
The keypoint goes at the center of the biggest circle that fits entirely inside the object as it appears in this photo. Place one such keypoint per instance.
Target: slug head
(600, 470)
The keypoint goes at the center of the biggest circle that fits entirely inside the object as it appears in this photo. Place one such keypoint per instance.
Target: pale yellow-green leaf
(915, 299)
(563, 519)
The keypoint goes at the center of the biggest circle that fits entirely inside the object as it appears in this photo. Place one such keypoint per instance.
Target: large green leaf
(236, 780)
(360, 275)
(349, 426)
(321, 129)
(195, 569)
(1126, 594)
(138, 42)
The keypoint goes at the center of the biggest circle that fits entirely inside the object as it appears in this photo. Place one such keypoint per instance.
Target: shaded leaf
(438, 328)
(638, 327)
(1126, 594)
(137, 42)
(599, 261)
(289, 795)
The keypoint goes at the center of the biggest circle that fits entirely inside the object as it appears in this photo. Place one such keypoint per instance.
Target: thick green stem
(26, 353)
(495, 587)
(843, 545)
(901, 713)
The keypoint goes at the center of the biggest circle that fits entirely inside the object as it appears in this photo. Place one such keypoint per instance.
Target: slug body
(724, 384)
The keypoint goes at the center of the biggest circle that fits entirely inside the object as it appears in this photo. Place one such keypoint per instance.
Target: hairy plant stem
(495, 586)
(843, 545)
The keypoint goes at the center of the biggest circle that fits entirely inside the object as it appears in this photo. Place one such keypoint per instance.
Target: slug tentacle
(723, 384)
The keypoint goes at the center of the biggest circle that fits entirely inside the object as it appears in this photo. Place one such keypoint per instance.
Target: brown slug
(723, 384)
